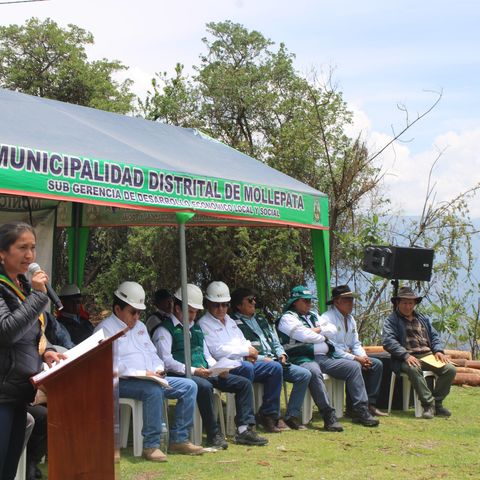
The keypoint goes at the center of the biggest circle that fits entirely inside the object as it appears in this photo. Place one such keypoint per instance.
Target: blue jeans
(300, 377)
(243, 390)
(240, 386)
(271, 375)
(152, 396)
(13, 421)
(349, 371)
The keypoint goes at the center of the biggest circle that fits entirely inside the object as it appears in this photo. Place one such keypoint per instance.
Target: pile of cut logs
(468, 370)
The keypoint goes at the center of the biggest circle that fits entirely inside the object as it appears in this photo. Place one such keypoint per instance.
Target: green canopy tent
(89, 167)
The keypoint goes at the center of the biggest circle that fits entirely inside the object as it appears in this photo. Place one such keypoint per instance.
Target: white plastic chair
(258, 391)
(336, 392)
(128, 405)
(196, 435)
(231, 409)
(406, 392)
(22, 466)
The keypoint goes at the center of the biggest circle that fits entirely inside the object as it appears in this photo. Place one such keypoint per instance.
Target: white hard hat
(194, 295)
(218, 292)
(131, 293)
(70, 290)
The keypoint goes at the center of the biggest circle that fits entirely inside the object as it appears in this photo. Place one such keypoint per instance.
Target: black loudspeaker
(399, 263)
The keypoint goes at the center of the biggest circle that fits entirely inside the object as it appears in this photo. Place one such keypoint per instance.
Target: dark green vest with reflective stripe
(249, 334)
(196, 343)
(298, 352)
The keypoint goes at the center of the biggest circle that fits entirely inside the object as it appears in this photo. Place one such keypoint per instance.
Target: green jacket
(196, 343)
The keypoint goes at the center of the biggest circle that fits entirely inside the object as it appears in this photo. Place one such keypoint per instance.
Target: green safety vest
(298, 352)
(249, 334)
(196, 343)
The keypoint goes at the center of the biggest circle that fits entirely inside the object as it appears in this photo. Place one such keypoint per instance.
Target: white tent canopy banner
(119, 170)
(55, 150)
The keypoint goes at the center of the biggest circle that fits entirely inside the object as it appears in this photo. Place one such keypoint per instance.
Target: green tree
(247, 93)
(41, 58)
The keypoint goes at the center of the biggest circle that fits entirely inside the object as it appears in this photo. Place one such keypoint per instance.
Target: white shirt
(293, 327)
(154, 320)
(136, 352)
(224, 340)
(345, 340)
(162, 339)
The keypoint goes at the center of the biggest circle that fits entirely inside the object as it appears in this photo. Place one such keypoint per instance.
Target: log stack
(468, 370)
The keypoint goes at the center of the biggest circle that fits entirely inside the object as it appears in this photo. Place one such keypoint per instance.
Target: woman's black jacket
(19, 338)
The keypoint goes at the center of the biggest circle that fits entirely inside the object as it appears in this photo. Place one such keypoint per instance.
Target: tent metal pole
(182, 219)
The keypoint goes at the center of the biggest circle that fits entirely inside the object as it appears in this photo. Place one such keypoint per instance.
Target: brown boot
(154, 455)
(376, 412)
(186, 448)
(295, 424)
(282, 425)
(267, 422)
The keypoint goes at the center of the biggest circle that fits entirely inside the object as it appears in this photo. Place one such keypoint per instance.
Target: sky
(382, 54)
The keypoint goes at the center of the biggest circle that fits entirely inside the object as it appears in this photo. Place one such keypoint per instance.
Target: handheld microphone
(35, 267)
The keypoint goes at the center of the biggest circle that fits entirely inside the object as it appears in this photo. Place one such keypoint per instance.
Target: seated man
(225, 340)
(56, 333)
(409, 337)
(347, 344)
(163, 301)
(137, 357)
(264, 338)
(306, 341)
(72, 316)
(169, 340)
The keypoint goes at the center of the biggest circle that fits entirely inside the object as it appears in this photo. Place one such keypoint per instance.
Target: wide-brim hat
(343, 291)
(298, 292)
(70, 290)
(408, 293)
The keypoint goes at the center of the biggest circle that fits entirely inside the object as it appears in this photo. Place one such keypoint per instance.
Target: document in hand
(153, 378)
(72, 354)
(223, 365)
(431, 360)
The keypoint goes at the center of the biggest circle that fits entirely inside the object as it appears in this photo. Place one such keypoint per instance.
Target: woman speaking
(23, 345)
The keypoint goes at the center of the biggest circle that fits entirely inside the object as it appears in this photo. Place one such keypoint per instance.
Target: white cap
(70, 290)
(194, 294)
(131, 293)
(218, 292)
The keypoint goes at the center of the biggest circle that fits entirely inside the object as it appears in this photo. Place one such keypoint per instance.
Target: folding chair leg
(231, 412)
(307, 408)
(196, 433)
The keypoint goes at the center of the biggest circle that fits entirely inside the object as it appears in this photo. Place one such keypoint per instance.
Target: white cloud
(406, 173)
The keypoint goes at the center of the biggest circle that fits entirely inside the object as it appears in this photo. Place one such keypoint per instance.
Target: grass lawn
(402, 447)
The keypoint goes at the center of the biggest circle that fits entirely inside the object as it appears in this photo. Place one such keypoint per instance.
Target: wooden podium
(82, 417)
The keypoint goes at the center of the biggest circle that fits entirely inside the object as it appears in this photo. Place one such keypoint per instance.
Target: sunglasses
(251, 299)
(220, 305)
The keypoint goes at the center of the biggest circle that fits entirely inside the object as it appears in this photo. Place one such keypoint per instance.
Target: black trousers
(13, 420)
(37, 444)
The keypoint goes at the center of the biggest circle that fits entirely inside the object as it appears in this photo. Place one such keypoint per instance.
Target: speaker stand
(395, 290)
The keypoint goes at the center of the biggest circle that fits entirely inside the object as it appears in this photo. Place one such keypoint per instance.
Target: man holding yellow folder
(415, 346)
